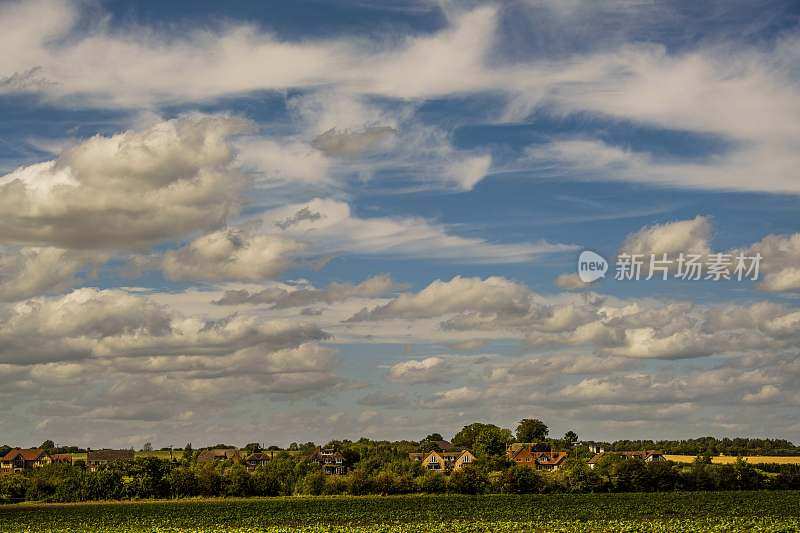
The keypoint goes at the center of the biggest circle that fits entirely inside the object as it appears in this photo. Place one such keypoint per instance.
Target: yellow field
(730, 459)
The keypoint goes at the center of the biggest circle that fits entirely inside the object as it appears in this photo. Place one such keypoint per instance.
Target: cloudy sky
(295, 221)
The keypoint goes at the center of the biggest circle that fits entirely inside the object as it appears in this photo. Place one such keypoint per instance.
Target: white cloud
(284, 161)
(428, 370)
(570, 281)
(683, 236)
(32, 271)
(112, 323)
(231, 254)
(128, 190)
(781, 257)
(279, 298)
(338, 230)
(492, 295)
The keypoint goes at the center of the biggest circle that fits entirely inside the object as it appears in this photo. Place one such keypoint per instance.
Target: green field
(718, 511)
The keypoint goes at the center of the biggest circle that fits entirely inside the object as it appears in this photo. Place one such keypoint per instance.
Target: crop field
(730, 459)
(710, 511)
(161, 454)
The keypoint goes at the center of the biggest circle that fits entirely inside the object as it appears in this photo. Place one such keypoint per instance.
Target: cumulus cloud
(92, 323)
(284, 161)
(335, 292)
(570, 281)
(781, 257)
(128, 190)
(231, 255)
(32, 271)
(428, 370)
(492, 295)
(687, 236)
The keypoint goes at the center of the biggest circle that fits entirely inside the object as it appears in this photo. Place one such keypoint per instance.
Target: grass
(730, 459)
(711, 511)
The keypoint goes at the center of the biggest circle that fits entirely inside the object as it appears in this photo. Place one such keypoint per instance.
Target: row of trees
(156, 478)
(485, 438)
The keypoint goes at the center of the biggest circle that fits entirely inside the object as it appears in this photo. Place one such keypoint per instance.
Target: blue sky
(299, 221)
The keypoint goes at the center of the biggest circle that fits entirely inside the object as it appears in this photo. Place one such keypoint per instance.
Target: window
(467, 459)
(434, 465)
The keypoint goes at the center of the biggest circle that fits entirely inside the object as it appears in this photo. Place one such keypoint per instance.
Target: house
(20, 460)
(648, 456)
(96, 459)
(218, 455)
(540, 460)
(256, 459)
(331, 461)
(443, 461)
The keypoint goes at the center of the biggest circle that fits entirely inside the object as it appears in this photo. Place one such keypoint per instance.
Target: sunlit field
(730, 459)
(709, 511)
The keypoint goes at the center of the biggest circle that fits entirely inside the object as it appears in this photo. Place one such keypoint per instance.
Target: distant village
(444, 458)
(480, 458)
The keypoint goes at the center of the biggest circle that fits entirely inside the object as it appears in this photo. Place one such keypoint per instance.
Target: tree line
(379, 470)
(384, 467)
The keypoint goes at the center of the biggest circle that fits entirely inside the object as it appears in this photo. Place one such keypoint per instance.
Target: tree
(148, 447)
(491, 440)
(253, 447)
(48, 446)
(468, 434)
(468, 480)
(570, 438)
(531, 430)
(430, 443)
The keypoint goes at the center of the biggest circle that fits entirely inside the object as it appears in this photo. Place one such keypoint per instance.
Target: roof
(61, 457)
(259, 456)
(217, 454)
(32, 454)
(541, 458)
(443, 455)
(109, 455)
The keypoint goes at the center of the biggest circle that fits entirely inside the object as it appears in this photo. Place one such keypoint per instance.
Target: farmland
(710, 511)
(730, 459)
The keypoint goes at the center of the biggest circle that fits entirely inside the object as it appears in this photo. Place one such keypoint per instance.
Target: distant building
(21, 460)
(256, 459)
(648, 456)
(331, 461)
(218, 455)
(540, 460)
(443, 461)
(96, 459)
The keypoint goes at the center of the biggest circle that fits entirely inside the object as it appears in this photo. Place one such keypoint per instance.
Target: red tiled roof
(32, 454)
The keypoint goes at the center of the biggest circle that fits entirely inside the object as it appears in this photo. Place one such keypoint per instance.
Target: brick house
(256, 459)
(99, 458)
(443, 461)
(21, 460)
(331, 461)
(540, 460)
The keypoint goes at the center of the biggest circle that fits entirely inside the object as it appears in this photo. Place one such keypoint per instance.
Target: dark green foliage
(531, 430)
